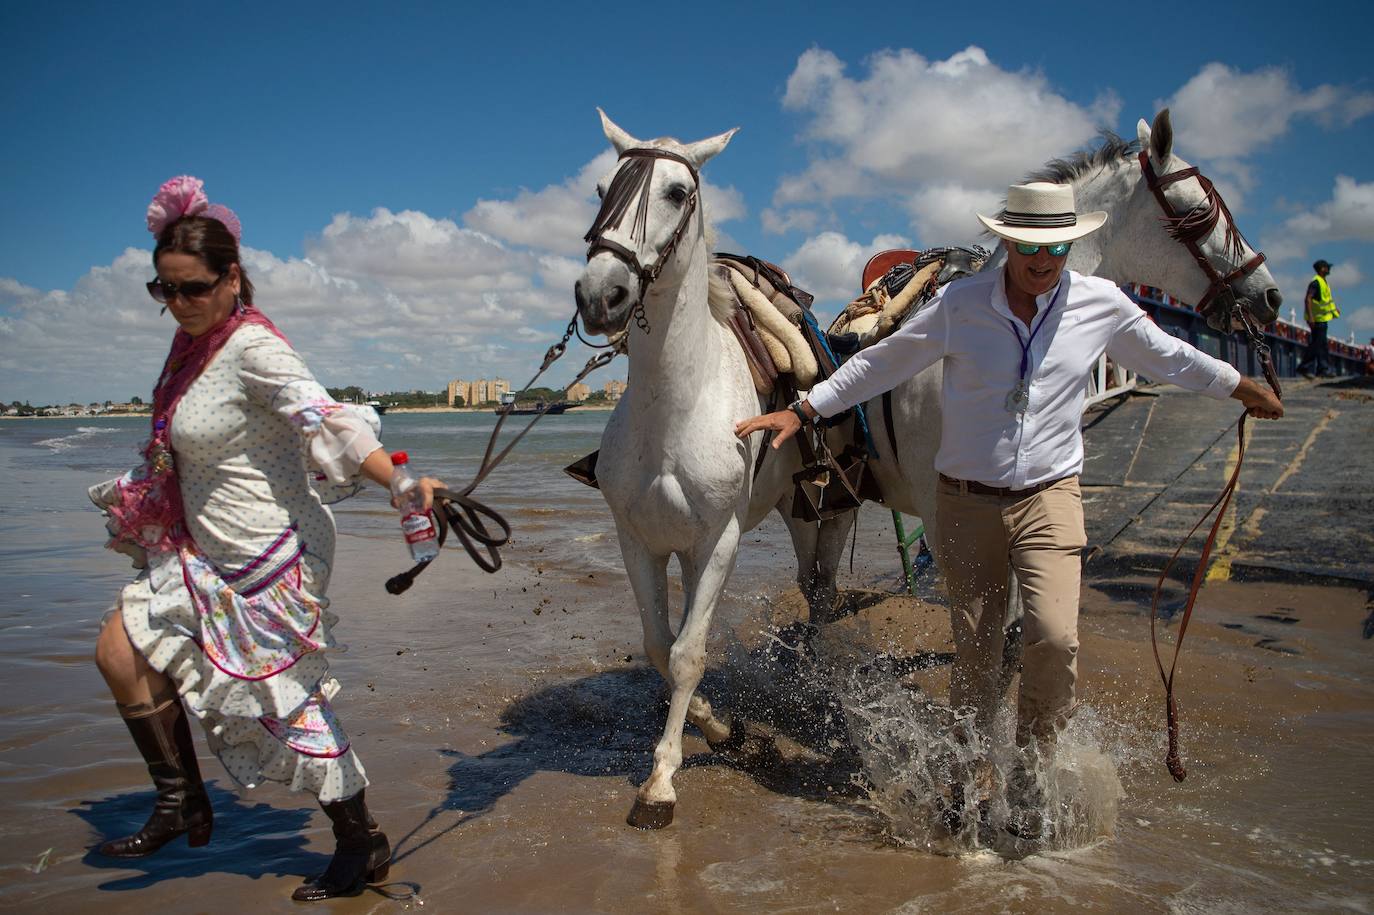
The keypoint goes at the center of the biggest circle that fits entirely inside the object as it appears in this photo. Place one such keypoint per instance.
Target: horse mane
(1067, 169)
(1110, 150)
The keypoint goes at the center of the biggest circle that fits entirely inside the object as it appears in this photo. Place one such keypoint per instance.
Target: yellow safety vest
(1323, 307)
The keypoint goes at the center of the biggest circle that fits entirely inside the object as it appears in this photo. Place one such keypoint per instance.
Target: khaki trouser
(1041, 537)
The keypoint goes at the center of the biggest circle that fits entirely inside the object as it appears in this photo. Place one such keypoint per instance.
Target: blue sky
(414, 181)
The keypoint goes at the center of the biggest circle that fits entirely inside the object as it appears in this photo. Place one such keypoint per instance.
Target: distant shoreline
(588, 408)
(580, 409)
(84, 416)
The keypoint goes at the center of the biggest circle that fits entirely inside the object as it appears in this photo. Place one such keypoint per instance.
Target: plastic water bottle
(416, 523)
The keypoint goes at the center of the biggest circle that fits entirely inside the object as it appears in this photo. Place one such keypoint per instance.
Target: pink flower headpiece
(184, 195)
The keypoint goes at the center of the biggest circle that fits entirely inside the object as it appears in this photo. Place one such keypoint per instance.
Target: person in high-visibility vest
(1319, 308)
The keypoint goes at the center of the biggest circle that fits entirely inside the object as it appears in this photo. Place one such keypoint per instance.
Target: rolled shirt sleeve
(918, 344)
(1139, 344)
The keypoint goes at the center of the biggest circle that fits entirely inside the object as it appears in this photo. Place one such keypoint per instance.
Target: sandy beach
(505, 721)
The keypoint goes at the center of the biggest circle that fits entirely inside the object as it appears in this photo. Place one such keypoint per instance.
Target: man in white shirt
(1018, 344)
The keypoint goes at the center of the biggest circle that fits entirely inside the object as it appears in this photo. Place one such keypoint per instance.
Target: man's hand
(784, 424)
(1258, 399)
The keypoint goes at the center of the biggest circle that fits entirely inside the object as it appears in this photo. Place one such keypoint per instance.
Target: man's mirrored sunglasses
(163, 291)
(1058, 250)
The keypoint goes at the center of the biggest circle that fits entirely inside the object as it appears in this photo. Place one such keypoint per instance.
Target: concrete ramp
(1305, 506)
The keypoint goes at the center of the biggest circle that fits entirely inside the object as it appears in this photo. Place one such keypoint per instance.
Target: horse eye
(677, 194)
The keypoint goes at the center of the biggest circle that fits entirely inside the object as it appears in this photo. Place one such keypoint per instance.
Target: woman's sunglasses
(1058, 250)
(163, 291)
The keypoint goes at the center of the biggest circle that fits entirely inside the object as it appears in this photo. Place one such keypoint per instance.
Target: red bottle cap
(399, 457)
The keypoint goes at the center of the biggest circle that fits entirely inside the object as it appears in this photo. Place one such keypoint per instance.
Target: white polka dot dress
(240, 621)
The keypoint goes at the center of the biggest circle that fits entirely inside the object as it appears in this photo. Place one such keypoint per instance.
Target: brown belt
(983, 489)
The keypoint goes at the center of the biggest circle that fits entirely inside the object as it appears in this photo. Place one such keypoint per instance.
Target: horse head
(1176, 233)
(648, 204)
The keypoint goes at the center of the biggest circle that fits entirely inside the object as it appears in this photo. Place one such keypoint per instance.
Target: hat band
(1040, 220)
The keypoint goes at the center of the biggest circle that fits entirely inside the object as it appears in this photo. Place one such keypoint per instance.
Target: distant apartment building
(579, 392)
(476, 393)
(614, 389)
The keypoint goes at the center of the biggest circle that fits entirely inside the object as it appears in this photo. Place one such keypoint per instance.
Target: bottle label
(417, 527)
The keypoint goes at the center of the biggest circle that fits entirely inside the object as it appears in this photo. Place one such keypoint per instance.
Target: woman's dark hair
(209, 240)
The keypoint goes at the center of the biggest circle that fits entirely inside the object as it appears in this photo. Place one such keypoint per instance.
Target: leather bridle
(1219, 301)
(633, 181)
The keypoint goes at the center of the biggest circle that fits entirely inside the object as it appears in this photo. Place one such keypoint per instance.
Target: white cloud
(1346, 274)
(389, 300)
(1348, 215)
(909, 119)
(830, 266)
(1362, 323)
(556, 217)
(947, 212)
(553, 218)
(917, 127)
(1223, 113)
(777, 222)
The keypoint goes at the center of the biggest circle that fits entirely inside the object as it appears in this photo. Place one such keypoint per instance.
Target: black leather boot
(362, 854)
(162, 734)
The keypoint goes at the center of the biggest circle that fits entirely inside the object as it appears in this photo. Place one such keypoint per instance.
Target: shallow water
(505, 720)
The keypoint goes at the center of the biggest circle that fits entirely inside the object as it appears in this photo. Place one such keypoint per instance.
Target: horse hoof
(650, 815)
(733, 742)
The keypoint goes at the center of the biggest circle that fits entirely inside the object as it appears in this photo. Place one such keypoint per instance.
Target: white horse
(1135, 245)
(676, 479)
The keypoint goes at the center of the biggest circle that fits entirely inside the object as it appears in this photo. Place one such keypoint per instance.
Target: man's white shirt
(970, 326)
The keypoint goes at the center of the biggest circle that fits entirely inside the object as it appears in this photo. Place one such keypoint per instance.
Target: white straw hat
(1042, 214)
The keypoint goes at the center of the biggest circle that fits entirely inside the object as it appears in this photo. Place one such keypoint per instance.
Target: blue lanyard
(1025, 347)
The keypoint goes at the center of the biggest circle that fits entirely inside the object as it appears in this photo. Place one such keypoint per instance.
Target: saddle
(769, 315)
(896, 284)
(786, 352)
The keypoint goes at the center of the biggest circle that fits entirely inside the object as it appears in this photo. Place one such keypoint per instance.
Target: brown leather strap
(1172, 758)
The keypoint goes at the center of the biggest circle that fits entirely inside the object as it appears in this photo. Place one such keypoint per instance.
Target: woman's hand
(783, 423)
(427, 486)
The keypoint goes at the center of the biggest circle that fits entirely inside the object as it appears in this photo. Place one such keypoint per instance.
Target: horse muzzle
(606, 294)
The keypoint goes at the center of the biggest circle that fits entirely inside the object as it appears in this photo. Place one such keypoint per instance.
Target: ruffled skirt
(245, 648)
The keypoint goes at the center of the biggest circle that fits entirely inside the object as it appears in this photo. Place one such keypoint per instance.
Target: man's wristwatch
(796, 407)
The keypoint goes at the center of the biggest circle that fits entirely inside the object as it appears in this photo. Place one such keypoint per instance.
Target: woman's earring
(238, 304)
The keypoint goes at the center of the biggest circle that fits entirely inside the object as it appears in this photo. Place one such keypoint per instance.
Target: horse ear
(1162, 137)
(618, 137)
(700, 152)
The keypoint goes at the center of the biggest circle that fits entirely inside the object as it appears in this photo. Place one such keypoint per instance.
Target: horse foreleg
(649, 579)
(704, 577)
(830, 541)
(803, 534)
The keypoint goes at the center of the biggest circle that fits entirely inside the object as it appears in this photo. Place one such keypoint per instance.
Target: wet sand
(506, 720)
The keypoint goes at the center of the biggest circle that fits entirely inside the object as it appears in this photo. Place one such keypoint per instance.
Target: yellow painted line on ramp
(1221, 564)
(1220, 570)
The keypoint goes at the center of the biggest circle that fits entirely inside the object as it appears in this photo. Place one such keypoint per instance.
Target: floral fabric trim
(262, 623)
(313, 730)
(310, 414)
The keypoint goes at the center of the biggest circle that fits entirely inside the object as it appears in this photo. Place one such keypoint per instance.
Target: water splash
(941, 785)
(912, 757)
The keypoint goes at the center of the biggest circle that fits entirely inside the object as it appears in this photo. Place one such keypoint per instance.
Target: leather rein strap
(465, 515)
(1172, 759)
